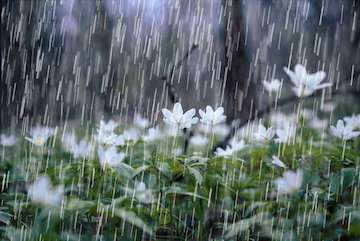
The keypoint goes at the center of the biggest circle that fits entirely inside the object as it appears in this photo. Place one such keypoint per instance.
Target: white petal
(178, 110)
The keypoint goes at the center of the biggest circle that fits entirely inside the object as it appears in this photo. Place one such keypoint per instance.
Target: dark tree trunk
(238, 90)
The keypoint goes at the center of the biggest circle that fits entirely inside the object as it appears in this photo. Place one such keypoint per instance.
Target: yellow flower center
(40, 141)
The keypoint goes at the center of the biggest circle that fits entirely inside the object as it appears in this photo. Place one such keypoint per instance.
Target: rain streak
(179, 120)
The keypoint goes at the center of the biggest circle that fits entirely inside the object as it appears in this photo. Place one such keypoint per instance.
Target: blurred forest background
(83, 60)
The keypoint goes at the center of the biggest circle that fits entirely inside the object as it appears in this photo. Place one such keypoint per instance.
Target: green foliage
(194, 197)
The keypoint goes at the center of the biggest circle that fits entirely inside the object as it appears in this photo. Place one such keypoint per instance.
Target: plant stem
(343, 150)
(174, 144)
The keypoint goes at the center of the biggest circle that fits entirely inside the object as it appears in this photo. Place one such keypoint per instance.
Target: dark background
(83, 60)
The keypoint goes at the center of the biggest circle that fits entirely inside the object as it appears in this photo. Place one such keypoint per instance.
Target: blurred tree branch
(174, 97)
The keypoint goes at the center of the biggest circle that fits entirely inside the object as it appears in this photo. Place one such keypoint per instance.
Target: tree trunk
(238, 90)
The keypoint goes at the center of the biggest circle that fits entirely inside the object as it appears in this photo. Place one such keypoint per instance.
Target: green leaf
(125, 170)
(5, 217)
(76, 204)
(195, 172)
(180, 191)
(131, 217)
(245, 224)
(139, 170)
(343, 180)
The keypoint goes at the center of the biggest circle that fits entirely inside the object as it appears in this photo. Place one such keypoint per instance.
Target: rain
(180, 120)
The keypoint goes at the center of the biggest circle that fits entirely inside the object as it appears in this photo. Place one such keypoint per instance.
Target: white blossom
(344, 132)
(106, 138)
(39, 135)
(199, 140)
(353, 121)
(108, 127)
(119, 140)
(286, 134)
(272, 86)
(319, 124)
(228, 151)
(42, 192)
(277, 162)
(141, 122)
(212, 117)
(305, 83)
(236, 144)
(280, 119)
(9, 140)
(153, 134)
(105, 133)
(110, 157)
(142, 194)
(82, 149)
(68, 140)
(264, 134)
(131, 134)
(290, 182)
(178, 118)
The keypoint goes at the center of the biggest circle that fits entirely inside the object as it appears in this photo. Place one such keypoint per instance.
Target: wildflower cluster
(138, 177)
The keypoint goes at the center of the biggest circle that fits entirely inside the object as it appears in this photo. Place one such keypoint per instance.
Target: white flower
(286, 134)
(290, 182)
(68, 141)
(108, 127)
(344, 132)
(82, 149)
(152, 135)
(279, 119)
(224, 153)
(131, 135)
(42, 192)
(319, 124)
(178, 118)
(143, 194)
(264, 134)
(248, 130)
(277, 162)
(127, 136)
(211, 117)
(40, 135)
(141, 122)
(353, 121)
(110, 157)
(107, 138)
(305, 83)
(105, 133)
(272, 86)
(7, 140)
(119, 141)
(198, 140)
(237, 145)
